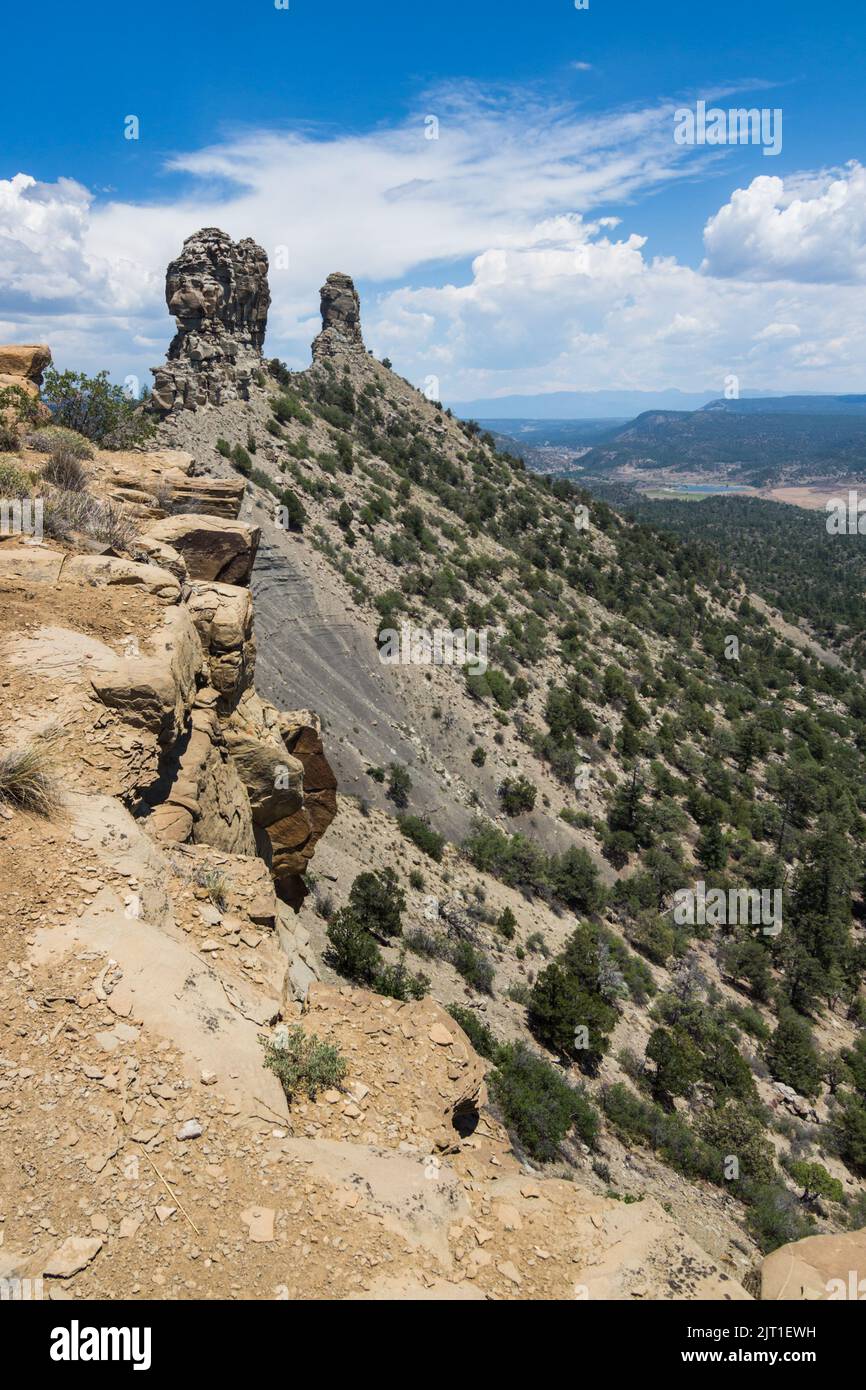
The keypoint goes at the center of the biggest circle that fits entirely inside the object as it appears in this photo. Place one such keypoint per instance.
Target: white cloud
(811, 228)
(540, 291)
(571, 308)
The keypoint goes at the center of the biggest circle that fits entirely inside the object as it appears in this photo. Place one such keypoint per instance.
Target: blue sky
(486, 258)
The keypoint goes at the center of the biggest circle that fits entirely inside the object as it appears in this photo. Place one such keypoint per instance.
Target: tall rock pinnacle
(341, 317)
(217, 290)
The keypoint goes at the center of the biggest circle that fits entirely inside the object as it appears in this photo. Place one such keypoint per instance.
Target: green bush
(473, 965)
(477, 1032)
(398, 983)
(295, 511)
(377, 901)
(92, 406)
(54, 437)
(507, 924)
(561, 1008)
(537, 1105)
(287, 407)
(423, 835)
(792, 1056)
(14, 484)
(303, 1064)
(816, 1181)
(849, 1127)
(351, 949)
(241, 460)
(399, 784)
(517, 795)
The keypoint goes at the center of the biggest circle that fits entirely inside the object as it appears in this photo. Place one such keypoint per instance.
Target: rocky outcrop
(223, 615)
(412, 1064)
(213, 549)
(341, 317)
(829, 1267)
(217, 290)
(22, 364)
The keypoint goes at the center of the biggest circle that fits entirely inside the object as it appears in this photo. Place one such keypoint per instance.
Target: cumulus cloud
(482, 254)
(811, 228)
(574, 306)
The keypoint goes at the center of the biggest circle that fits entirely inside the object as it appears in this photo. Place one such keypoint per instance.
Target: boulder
(22, 364)
(212, 548)
(831, 1267)
(223, 616)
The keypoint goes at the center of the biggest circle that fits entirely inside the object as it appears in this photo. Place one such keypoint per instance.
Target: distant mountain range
(759, 440)
(583, 405)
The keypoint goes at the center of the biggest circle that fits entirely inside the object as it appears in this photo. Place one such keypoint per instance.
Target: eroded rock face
(212, 549)
(817, 1267)
(217, 290)
(22, 364)
(341, 317)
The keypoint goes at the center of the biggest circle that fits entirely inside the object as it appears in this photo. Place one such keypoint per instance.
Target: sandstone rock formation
(217, 291)
(219, 550)
(831, 1267)
(341, 317)
(22, 364)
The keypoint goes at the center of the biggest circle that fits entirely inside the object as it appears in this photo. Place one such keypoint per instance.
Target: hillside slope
(641, 727)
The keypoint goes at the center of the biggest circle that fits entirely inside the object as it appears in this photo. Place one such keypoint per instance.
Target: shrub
(54, 437)
(65, 513)
(734, 1129)
(477, 1032)
(287, 407)
(422, 835)
(214, 884)
(28, 780)
(296, 513)
(302, 1063)
(792, 1055)
(474, 966)
(223, 447)
(399, 785)
(677, 1064)
(398, 983)
(377, 902)
(241, 460)
(815, 1181)
(537, 1104)
(517, 795)
(849, 1126)
(65, 470)
(774, 1217)
(479, 756)
(507, 924)
(14, 484)
(351, 949)
(568, 1018)
(10, 436)
(429, 944)
(96, 408)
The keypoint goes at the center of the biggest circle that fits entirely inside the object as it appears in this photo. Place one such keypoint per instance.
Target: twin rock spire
(217, 290)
